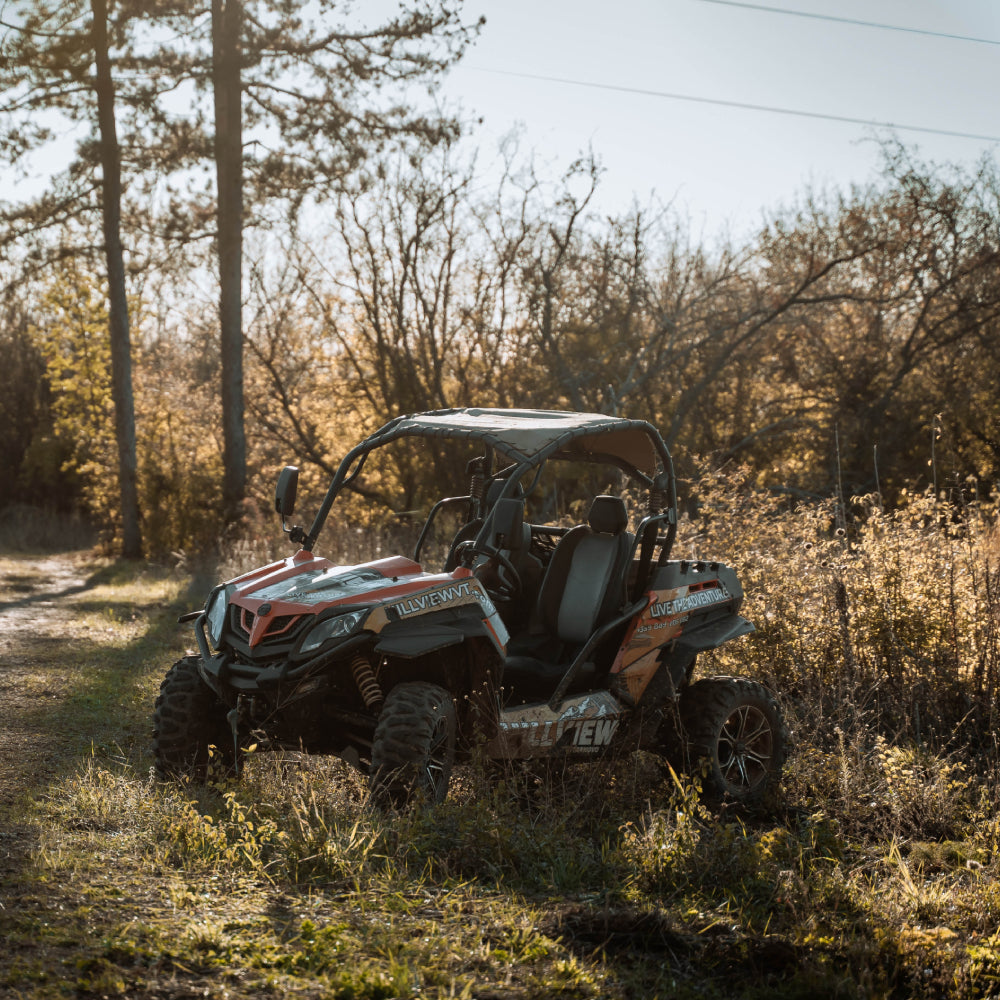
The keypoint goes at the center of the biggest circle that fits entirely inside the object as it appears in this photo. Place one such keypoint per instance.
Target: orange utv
(532, 637)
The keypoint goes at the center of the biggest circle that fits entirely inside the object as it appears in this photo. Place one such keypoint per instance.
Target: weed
(875, 874)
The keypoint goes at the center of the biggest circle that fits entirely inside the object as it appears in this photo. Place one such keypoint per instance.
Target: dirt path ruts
(33, 618)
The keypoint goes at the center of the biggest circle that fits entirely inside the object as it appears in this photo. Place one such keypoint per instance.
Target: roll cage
(522, 441)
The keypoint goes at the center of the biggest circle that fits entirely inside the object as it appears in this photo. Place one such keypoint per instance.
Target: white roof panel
(522, 434)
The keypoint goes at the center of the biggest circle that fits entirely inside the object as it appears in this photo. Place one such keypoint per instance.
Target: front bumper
(227, 676)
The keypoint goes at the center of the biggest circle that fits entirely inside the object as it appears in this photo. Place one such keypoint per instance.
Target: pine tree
(286, 98)
(299, 95)
(56, 58)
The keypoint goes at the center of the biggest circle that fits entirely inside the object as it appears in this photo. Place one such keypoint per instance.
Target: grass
(25, 529)
(875, 873)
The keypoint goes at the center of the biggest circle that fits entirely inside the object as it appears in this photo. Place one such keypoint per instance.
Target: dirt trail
(33, 595)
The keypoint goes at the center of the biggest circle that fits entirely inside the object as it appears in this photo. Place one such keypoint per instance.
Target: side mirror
(284, 493)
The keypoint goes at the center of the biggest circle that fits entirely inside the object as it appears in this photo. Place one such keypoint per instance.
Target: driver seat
(506, 531)
(482, 529)
(583, 587)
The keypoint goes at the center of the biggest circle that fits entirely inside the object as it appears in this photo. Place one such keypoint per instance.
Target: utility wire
(851, 20)
(739, 104)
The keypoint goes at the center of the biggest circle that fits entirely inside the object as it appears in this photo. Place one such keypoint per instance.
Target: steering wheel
(506, 584)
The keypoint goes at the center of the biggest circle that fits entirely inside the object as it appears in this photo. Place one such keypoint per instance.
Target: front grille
(281, 624)
(279, 629)
(238, 623)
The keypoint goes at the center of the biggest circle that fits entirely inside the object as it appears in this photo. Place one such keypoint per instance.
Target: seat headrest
(496, 487)
(506, 523)
(607, 515)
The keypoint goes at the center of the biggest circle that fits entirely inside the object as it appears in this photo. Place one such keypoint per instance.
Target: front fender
(414, 637)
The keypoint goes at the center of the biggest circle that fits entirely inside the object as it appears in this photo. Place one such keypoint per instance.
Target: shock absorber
(477, 481)
(367, 682)
(657, 498)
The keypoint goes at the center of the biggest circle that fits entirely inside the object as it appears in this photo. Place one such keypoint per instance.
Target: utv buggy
(532, 640)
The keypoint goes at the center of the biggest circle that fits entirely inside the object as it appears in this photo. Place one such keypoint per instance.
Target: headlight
(218, 604)
(331, 628)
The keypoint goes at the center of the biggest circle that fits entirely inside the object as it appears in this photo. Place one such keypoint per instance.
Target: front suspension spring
(367, 683)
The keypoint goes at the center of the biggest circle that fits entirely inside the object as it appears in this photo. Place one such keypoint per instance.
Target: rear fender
(693, 607)
(711, 635)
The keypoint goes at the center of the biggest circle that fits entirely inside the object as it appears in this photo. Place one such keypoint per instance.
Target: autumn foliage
(849, 348)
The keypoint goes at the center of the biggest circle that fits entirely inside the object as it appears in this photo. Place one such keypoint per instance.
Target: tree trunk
(118, 319)
(229, 179)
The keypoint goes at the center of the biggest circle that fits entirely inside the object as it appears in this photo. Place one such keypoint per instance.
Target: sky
(725, 167)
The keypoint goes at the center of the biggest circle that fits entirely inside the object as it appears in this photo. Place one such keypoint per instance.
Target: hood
(303, 582)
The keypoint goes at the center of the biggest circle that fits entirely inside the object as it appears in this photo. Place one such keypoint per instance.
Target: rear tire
(414, 747)
(735, 727)
(192, 738)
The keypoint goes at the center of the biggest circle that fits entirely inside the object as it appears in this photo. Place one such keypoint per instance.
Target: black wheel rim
(746, 746)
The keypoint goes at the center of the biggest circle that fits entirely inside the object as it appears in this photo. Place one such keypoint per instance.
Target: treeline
(137, 101)
(852, 346)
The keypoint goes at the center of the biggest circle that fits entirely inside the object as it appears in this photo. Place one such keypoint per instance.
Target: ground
(32, 623)
(115, 885)
(616, 883)
(60, 891)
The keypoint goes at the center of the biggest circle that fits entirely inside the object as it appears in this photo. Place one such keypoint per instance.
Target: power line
(851, 20)
(740, 104)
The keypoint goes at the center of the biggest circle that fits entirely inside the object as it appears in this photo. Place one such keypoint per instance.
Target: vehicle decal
(657, 625)
(690, 602)
(493, 621)
(468, 591)
(324, 585)
(309, 581)
(429, 600)
(594, 733)
(662, 620)
(640, 671)
(498, 631)
(586, 723)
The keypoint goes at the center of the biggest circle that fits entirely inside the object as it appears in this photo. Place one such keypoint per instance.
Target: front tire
(192, 737)
(414, 747)
(735, 727)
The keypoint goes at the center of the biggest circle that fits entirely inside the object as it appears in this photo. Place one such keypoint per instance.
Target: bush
(885, 621)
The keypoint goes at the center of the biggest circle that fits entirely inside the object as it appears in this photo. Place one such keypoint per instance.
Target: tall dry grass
(865, 616)
(878, 630)
(875, 873)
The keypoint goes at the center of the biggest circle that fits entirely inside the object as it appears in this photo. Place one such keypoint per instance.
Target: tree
(58, 61)
(890, 348)
(298, 104)
(118, 315)
(226, 75)
(76, 443)
(22, 399)
(415, 319)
